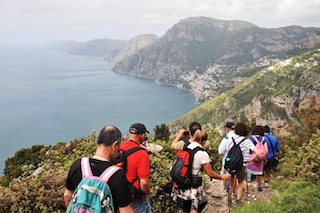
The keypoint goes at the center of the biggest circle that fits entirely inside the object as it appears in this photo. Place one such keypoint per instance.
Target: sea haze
(48, 96)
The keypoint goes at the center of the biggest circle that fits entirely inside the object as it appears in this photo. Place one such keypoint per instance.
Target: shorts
(269, 165)
(188, 205)
(240, 175)
(223, 171)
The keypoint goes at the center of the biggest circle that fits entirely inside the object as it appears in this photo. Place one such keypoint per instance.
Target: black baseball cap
(229, 125)
(138, 128)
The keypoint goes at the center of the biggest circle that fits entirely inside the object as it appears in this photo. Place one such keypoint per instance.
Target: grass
(293, 197)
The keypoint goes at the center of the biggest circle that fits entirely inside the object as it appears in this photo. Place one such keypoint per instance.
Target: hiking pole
(228, 196)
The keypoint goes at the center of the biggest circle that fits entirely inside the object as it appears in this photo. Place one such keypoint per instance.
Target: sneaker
(259, 188)
(266, 184)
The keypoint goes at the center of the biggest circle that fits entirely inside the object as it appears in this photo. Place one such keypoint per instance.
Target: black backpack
(181, 169)
(121, 161)
(234, 160)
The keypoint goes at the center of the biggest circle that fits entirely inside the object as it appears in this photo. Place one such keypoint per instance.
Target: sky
(42, 21)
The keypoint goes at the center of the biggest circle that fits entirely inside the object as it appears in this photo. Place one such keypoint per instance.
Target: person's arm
(208, 169)
(145, 186)
(222, 146)
(177, 139)
(255, 154)
(126, 209)
(67, 196)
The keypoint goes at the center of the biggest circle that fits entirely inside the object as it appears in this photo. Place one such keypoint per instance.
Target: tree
(161, 132)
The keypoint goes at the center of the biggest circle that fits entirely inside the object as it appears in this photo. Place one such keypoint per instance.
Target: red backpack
(181, 169)
(260, 146)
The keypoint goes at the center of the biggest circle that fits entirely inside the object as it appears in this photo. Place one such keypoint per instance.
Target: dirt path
(217, 201)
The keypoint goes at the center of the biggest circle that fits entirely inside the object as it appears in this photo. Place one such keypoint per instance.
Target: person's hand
(181, 133)
(226, 177)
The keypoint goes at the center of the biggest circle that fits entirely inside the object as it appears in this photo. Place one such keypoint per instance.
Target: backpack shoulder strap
(256, 139)
(130, 151)
(186, 144)
(108, 172)
(85, 168)
(234, 142)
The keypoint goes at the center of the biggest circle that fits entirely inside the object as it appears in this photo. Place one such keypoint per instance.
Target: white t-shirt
(200, 158)
(245, 146)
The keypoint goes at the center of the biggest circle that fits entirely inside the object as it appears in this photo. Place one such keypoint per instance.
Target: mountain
(134, 44)
(272, 96)
(97, 47)
(209, 56)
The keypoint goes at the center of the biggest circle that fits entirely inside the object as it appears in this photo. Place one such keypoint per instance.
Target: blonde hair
(200, 136)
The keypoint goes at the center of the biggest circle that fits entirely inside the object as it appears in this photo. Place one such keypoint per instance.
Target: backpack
(181, 169)
(92, 194)
(234, 159)
(121, 161)
(261, 149)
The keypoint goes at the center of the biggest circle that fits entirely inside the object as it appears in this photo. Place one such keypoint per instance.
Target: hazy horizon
(40, 22)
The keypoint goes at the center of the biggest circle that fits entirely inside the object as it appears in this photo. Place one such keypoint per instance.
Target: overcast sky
(42, 21)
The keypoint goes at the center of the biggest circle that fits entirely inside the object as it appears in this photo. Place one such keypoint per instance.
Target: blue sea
(47, 96)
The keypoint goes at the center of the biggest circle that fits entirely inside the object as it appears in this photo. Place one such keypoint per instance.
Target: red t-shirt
(138, 164)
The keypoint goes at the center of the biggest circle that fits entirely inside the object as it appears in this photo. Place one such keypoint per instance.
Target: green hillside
(262, 93)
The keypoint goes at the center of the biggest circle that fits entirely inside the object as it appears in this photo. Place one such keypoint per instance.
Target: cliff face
(208, 56)
(134, 45)
(272, 96)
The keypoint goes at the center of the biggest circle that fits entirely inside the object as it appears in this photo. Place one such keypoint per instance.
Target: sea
(47, 96)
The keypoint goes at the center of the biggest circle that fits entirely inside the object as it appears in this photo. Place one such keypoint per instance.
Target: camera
(186, 133)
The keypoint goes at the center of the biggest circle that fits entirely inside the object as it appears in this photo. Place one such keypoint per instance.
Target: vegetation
(40, 187)
(34, 177)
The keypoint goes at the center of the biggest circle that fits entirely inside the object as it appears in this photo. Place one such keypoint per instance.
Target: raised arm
(177, 139)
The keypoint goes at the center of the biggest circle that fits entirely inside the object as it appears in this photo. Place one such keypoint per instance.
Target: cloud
(82, 20)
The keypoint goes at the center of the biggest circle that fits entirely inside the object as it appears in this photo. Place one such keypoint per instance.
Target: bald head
(108, 135)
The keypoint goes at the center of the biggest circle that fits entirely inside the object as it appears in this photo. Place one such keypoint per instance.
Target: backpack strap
(109, 172)
(234, 142)
(130, 151)
(256, 139)
(85, 168)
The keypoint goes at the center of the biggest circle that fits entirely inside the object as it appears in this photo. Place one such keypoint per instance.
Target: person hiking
(273, 155)
(188, 134)
(194, 199)
(108, 146)
(229, 129)
(241, 133)
(138, 168)
(256, 167)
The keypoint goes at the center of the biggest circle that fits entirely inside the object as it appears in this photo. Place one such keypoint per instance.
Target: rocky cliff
(272, 96)
(134, 45)
(208, 56)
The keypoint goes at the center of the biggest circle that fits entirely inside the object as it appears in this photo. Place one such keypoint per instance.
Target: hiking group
(246, 155)
(116, 177)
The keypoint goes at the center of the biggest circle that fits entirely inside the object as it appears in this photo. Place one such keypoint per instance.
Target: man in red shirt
(138, 168)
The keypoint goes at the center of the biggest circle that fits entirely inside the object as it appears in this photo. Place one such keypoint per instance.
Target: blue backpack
(92, 194)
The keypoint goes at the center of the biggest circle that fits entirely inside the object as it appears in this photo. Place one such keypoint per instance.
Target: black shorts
(269, 165)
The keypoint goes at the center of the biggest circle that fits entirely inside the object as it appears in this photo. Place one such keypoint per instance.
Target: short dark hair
(257, 130)
(108, 135)
(266, 129)
(241, 129)
(194, 126)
